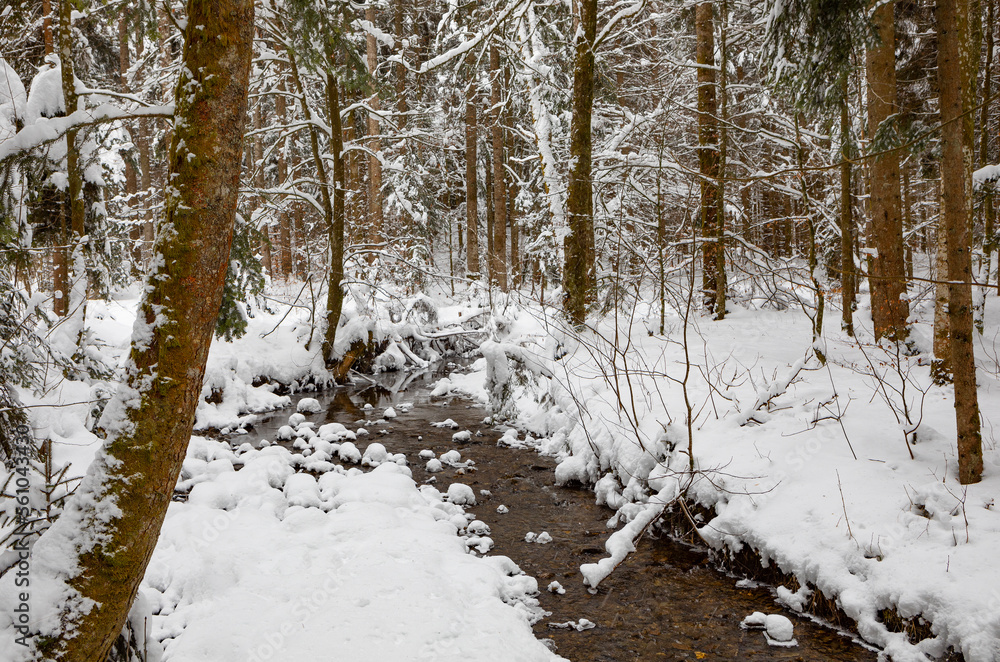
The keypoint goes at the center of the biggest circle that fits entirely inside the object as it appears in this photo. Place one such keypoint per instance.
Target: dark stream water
(665, 602)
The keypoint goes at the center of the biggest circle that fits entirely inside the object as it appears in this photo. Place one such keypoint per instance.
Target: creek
(666, 601)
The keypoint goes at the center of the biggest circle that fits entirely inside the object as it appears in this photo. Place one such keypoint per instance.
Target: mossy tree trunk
(113, 522)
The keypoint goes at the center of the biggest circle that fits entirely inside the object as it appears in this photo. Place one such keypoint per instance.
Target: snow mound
(461, 494)
(254, 564)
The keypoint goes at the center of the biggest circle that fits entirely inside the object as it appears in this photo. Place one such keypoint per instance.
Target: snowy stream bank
(665, 603)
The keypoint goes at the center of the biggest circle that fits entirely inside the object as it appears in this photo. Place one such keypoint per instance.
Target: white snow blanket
(267, 564)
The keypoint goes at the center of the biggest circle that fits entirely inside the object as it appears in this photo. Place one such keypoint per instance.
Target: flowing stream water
(665, 602)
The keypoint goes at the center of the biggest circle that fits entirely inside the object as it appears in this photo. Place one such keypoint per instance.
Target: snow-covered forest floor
(808, 464)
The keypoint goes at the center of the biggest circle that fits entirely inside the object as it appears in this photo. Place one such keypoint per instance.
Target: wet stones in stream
(665, 602)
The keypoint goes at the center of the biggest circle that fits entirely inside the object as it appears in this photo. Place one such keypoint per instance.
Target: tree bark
(515, 235)
(112, 522)
(74, 173)
(47, 26)
(145, 174)
(846, 218)
(720, 233)
(709, 162)
(888, 281)
(989, 211)
(335, 230)
(400, 68)
(579, 279)
(375, 213)
(954, 52)
(284, 218)
(131, 176)
(498, 256)
(471, 176)
(326, 198)
(259, 182)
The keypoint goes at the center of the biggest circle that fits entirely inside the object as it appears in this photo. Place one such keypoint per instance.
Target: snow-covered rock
(478, 528)
(461, 494)
(779, 628)
(349, 452)
(375, 454)
(309, 406)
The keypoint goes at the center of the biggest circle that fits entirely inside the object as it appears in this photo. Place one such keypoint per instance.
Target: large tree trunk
(335, 231)
(106, 536)
(888, 281)
(498, 255)
(846, 218)
(720, 253)
(989, 211)
(471, 183)
(579, 280)
(709, 162)
(954, 51)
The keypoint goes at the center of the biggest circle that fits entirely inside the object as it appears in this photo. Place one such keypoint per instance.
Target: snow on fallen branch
(770, 392)
(621, 543)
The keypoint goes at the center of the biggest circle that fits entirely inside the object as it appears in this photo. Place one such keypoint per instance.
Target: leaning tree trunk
(888, 281)
(103, 542)
(579, 280)
(956, 192)
(708, 155)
